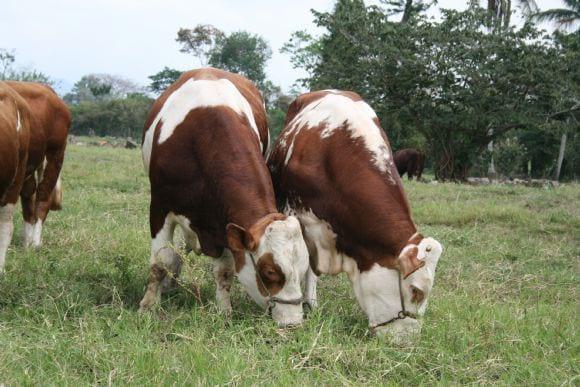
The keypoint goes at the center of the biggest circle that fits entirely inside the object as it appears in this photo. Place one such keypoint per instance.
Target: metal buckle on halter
(273, 300)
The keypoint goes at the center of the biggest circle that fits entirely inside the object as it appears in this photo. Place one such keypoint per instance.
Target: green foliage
(9, 72)
(244, 53)
(567, 16)
(163, 79)
(503, 309)
(114, 117)
(199, 41)
(453, 82)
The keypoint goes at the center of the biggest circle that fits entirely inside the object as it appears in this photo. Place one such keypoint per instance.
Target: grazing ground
(504, 308)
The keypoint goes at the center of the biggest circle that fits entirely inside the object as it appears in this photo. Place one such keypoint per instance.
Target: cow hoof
(146, 303)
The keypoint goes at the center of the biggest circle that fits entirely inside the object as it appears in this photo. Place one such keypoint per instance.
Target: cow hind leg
(6, 229)
(223, 271)
(165, 264)
(27, 200)
(310, 296)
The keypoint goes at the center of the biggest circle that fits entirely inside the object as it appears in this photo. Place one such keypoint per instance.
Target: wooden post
(560, 157)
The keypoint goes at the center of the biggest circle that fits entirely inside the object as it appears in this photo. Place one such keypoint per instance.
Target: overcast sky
(67, 39)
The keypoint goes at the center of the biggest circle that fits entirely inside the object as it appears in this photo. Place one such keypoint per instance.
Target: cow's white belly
(321, 242)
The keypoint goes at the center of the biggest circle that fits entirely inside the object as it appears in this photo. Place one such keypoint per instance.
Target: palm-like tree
(565, 17)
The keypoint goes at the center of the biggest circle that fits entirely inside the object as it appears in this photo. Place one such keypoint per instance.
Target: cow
(50, 120)
(410, 161)
(332, 167)
(203, 148)
(14, 140)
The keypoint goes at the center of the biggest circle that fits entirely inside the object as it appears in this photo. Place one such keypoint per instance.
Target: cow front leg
(164, 261)
(6, 229)
(310, 296)
(223, 272)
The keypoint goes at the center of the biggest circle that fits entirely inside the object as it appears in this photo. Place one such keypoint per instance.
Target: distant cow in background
(50, 120)
(410, 161)
(14, 139)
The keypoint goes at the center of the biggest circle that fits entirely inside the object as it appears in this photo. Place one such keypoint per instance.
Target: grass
(504, 308)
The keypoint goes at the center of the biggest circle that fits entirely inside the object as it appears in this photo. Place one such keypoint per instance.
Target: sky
(67, 39)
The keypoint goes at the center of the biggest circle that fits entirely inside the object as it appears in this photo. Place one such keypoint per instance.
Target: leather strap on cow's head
(403, 313)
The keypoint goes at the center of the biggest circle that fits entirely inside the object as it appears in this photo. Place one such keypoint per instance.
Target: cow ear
(239, 238)
(408, 262)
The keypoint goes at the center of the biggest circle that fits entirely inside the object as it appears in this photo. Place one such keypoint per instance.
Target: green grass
(504, 308)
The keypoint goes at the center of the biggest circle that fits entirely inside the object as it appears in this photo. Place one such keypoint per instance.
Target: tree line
(471, 89)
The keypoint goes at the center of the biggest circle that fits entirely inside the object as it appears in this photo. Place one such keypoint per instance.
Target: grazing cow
(410, 161)
(49, 126)
(332, 167)
(203, 148)
(14, 139)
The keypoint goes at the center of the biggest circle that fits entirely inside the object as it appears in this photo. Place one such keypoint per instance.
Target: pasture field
(504, 308)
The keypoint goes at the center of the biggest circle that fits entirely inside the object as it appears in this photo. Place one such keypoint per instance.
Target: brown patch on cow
(271, 275)
(410, 161)
(369, 214)
(408, 262)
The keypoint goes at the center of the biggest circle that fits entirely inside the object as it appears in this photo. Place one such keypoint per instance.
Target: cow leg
(310, 289)
(6, 229)
(50, 175)
(27, 196)
(164, 261)
(223, 272)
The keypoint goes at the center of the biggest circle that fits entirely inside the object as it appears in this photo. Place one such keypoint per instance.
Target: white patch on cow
(27, 234)
(191, 95)
(18, 123)
(37, 234)
(337, 112)
(162, 249)
(6, 229)
(321, 238)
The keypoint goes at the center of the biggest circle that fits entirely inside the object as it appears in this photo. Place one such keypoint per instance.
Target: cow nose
(417, 295)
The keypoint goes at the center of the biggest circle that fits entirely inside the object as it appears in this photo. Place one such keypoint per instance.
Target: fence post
(560, 157)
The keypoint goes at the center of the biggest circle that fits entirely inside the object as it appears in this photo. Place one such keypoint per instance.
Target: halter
(273, 300)
(403, 313)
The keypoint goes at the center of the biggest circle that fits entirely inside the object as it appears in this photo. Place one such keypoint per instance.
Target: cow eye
(270, 274)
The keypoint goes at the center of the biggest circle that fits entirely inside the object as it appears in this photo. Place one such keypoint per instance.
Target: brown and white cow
(203, 147)
(410, 161)
(14, 139)
(50, 120)
(332, 167)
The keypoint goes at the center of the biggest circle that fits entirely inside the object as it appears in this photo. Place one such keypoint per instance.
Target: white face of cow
(377, 291)
(282, 261)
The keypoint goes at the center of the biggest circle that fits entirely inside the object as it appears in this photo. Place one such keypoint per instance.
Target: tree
(9, 72)
(444, 84)
(243, 53)
(100, 87)
(163, 79)
(561, 16)
(199, 40)
(239, 52)
(408, 8)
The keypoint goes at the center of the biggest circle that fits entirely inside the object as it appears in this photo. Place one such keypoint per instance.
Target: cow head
(271, 260)
(379, 295)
